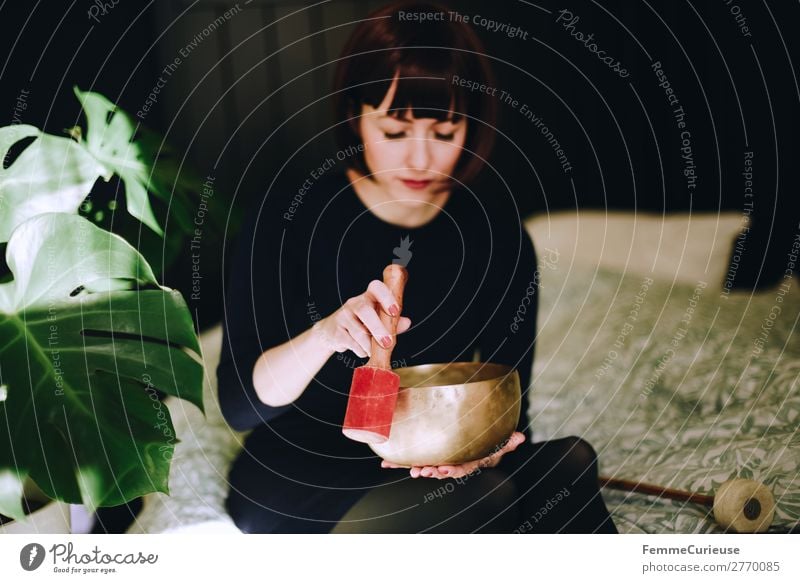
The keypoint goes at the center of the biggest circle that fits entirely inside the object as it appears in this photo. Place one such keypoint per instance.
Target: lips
(416, 184)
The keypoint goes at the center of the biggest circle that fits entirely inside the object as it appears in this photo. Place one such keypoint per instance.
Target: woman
(304, 298)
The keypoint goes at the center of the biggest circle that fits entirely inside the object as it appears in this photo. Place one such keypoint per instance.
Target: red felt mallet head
(373, 394)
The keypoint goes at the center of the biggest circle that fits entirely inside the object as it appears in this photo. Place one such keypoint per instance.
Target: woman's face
(410, 157)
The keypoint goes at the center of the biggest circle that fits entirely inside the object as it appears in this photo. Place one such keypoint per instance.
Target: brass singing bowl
(451, 413)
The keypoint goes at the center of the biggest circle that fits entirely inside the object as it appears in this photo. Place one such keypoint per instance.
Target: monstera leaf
(86, 337)
(52, 174)
(141, 159)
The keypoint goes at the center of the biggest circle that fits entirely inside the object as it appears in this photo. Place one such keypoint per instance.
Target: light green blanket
(674, 384)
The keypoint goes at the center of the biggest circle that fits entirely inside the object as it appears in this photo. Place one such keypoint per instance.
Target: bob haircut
(431, 56)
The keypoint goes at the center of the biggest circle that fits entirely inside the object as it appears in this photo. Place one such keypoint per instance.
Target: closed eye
(394, 136)
(445, 137)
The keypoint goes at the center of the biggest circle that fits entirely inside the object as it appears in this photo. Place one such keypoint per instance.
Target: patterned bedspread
(673, 383)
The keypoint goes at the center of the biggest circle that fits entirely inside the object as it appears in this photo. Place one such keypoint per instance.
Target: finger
(513, 442)
(440, 475)
(379, 293)
(415, 470)
(453, 471)
(369, 318)
(517, 438)
(403, 324)
(431, 472)
(470, 467)
(493, 459)
(456, 471)
(385, 464)
(360, 341)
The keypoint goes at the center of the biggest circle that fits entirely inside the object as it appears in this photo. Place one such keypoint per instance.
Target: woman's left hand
(458, 471)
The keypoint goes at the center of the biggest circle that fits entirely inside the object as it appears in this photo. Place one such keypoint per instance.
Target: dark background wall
(248, 103)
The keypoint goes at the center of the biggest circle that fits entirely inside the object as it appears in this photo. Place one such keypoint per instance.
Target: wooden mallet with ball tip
(739, 505)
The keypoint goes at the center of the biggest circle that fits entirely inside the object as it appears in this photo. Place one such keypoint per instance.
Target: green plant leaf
(86, 338)
(109, 137)
(52, 174)
(141, 158)
(11, 487)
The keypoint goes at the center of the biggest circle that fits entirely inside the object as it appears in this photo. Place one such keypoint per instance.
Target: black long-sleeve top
(471, 286)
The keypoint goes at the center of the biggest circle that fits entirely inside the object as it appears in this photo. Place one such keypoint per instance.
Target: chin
(413, 197)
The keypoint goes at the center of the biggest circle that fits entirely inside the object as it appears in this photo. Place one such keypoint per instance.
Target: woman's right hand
(352, 326)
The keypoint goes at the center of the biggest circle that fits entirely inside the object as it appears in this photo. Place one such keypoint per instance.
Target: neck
(385, 207)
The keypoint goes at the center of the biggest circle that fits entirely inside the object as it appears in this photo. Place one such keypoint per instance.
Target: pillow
(683, 247)
(198, 476)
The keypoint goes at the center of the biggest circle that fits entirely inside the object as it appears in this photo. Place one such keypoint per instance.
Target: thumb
(516, 439)
(513, 442)
(403, 324)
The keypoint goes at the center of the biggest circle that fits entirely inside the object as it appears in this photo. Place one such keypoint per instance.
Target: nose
(418, 154)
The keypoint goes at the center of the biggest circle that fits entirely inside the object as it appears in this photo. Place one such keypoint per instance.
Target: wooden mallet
(740, 505)
(373, 393)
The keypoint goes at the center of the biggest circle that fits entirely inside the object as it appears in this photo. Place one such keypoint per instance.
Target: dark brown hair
(427, 55)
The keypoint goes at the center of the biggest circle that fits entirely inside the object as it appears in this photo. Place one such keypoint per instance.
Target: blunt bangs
(428, 58)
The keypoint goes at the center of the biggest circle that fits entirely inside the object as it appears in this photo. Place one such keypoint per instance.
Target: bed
(645, 349)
